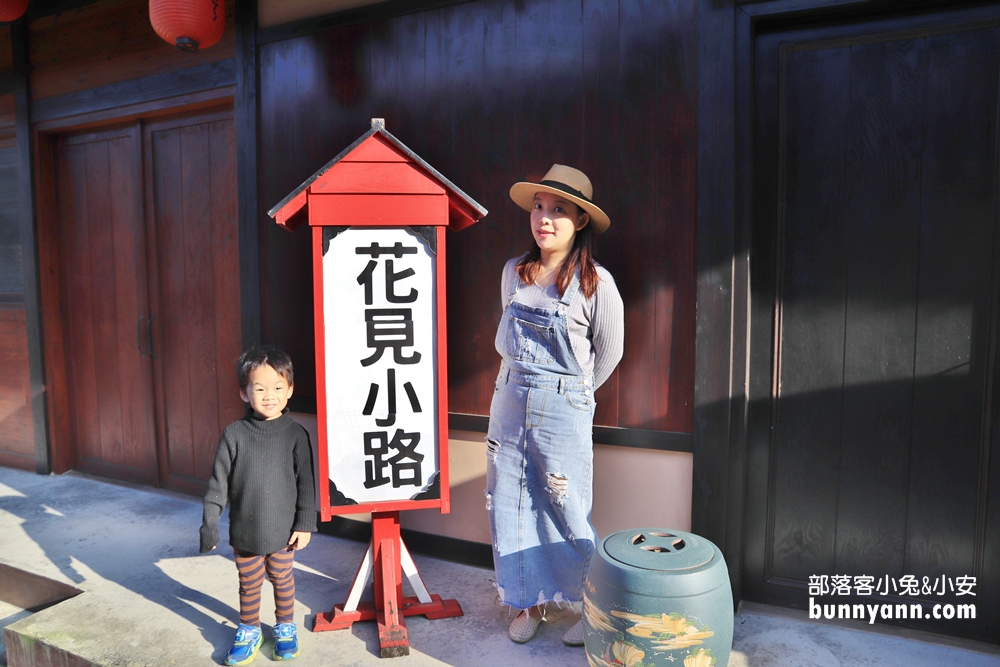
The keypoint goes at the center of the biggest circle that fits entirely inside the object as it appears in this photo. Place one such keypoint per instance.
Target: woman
(560, 337)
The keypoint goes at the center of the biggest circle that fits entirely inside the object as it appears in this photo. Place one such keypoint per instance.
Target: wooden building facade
(804, 235)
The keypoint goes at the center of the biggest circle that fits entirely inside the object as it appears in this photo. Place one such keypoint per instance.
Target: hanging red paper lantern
(188, 24)
(12, 10)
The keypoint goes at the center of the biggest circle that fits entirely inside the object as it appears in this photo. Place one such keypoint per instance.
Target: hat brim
(523, 194)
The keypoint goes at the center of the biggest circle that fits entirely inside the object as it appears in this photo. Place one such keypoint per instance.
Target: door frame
(727, 34)
(44, 138)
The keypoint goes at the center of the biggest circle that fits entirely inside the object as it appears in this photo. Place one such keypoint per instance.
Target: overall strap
(516, 287)
(574, 286)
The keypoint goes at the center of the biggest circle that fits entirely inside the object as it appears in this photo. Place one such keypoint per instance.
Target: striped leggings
(278, 569)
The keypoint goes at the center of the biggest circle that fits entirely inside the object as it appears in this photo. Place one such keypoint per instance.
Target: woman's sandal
(574, 636)
(523, 627)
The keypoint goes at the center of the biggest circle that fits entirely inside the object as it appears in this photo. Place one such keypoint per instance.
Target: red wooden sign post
(378, 214)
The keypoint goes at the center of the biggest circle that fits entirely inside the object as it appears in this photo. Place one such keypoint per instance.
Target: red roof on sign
(377, 163)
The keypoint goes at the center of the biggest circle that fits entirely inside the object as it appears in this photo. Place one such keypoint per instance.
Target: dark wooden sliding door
(146, 220)
(872, 423)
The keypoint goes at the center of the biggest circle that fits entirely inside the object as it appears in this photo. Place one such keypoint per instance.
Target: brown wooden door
(872, 424)
(191, 204)
(146, 219)
(102, 250)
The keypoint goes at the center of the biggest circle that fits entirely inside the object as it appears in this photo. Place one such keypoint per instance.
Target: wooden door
(103, 299)
(872, 421)
(191, 204)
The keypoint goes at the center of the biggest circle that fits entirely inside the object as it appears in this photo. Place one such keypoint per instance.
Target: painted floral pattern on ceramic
(595, 617)
(660, 632)
(703, 658)
(618, 654)
(666, 632)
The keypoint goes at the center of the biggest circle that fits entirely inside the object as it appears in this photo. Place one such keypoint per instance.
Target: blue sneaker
(286, 643)
(245, 646)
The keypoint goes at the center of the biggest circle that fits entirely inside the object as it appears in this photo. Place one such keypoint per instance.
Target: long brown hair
(580, 257)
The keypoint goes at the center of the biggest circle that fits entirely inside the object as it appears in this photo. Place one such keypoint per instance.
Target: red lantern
(188, 24)
(12, 10)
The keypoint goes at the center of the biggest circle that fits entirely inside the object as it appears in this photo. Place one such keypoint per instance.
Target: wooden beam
(185, 81)
(41, 8)
(165, 106)
(246, 178)
(639, 438)
(720, 348)
(368, 13)
(29, 245)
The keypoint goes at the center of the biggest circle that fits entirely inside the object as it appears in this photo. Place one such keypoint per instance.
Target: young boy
(263, 468)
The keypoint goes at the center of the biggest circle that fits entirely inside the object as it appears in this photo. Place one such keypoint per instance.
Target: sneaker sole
(279, 658)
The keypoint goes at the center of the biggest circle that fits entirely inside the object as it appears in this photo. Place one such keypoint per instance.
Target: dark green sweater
(263, 468)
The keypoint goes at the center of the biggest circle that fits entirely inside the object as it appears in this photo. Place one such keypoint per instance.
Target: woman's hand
(299, 540)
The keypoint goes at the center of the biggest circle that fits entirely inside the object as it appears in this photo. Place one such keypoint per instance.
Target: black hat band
(568, 190)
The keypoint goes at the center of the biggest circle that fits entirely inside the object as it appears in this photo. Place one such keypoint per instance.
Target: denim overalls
(540, 457)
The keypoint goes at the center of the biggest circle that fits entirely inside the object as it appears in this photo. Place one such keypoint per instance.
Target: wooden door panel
(812, 332)
(883, 139)
(953, 314)
(872, 320)
(103, 249)
(192, 178)
(82, 379)
(125, 218)
(168, 220)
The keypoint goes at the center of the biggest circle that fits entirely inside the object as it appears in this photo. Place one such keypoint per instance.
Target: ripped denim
(539, 487)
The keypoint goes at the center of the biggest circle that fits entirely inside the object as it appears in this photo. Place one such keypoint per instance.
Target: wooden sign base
(385, 561)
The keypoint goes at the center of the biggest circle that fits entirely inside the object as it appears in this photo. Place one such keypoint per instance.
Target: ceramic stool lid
(659, 549)
(658, 562)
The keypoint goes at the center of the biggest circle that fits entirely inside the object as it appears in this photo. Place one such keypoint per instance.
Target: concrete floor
(150, 598)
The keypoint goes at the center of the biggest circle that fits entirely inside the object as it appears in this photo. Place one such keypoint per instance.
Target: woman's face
(555, 222)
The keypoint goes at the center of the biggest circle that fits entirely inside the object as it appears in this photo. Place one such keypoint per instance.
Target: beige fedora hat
(567, 182)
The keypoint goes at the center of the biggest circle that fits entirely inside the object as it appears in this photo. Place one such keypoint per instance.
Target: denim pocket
(581, 399)
(531, 342)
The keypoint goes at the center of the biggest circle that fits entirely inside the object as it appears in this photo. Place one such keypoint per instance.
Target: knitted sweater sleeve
(607, 328)
(217, 494)
(507, 281)
(305, 503)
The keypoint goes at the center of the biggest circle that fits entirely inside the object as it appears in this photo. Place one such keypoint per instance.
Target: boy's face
(267, 392)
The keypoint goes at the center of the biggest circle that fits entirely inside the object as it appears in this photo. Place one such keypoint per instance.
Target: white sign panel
(381, 362)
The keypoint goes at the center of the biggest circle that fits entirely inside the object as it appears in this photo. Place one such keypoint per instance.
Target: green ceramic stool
(658, 597)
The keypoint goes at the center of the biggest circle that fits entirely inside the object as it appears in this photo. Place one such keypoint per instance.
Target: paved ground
(150, 599)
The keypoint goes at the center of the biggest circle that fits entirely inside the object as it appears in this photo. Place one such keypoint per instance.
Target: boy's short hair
(259, 355)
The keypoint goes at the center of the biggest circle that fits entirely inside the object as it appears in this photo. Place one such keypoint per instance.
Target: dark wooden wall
(489, 93)
(104, 43)
(17, 437)
(11, 275)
